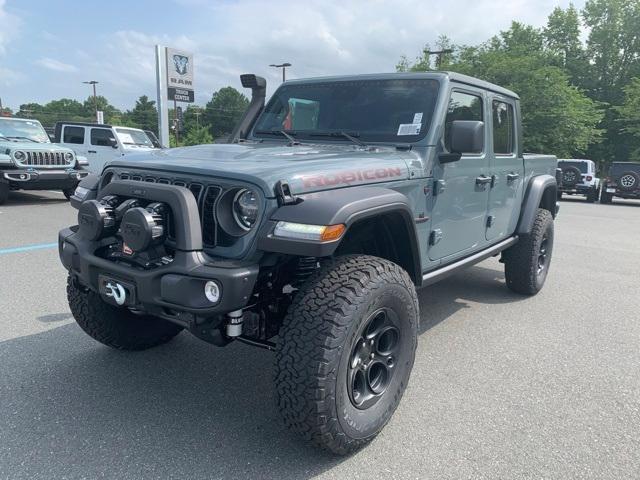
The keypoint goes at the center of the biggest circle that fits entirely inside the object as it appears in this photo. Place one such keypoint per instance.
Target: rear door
(101, 147)
(461, 192)
(507, 170)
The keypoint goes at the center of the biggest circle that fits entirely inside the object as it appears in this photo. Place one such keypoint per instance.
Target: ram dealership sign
(180, 75)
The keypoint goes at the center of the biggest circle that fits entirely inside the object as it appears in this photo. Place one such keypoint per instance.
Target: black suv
(623, 181)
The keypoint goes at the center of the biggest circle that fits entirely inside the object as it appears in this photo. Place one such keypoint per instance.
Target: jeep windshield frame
(393, 111)
(20, 130)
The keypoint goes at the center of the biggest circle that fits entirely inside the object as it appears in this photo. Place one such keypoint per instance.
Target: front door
(101, 147)
(461, 191)
(507, 170)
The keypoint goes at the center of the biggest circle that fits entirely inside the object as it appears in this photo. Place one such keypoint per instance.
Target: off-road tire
(592, 195)
(605, 197)
(67, 192)
(315, 344)
(521, 262)
(4, 192)
(636, 181)
(577, 176)
(116, 327)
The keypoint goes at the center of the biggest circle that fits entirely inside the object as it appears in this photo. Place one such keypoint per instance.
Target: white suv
(101, 143)
(579, 178)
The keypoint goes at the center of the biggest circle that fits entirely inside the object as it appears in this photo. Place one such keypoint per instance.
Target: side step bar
(442, 272)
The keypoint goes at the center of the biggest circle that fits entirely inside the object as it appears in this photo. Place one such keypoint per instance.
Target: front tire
(345, 351)
(67, 192)
(526, 264)
(4, 192)
(116, 327)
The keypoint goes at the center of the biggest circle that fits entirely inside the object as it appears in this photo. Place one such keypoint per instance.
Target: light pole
(95, 98)
(283, 66)
(439, 54)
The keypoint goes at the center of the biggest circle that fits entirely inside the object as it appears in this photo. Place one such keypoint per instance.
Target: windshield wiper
(25, 138)
(349, 136)
(288, 135)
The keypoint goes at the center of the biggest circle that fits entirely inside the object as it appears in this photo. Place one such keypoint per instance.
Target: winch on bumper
(182, 289)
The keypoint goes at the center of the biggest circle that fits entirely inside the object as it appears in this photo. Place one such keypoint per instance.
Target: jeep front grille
(205, 196)
(44, 159)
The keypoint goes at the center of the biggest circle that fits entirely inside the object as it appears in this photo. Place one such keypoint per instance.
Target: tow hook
(234, 325)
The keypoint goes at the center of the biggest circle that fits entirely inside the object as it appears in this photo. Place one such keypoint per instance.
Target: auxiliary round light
(212, 291)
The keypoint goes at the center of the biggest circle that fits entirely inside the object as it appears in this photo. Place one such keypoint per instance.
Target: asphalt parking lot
(503, 386)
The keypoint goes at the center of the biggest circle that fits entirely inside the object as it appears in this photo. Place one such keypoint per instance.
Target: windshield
(23, 130)
(395, 110)
(129, 136)
(582, 166)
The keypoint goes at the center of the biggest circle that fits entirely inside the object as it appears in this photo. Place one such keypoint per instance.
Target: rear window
(582, 166)
(618, 168)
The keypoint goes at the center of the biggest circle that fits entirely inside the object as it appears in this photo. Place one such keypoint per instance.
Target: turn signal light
(332, 232)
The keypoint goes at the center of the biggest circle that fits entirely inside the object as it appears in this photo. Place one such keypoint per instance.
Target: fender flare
(342, 206)
(534, 196)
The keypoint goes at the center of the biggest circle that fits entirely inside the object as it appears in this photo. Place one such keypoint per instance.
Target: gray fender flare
(541, 190)
(332, 207)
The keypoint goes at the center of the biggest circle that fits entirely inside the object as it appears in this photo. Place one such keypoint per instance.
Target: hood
(307, 168)
(31, 146)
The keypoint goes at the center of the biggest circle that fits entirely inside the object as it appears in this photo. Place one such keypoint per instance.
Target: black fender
(541, 192)
(343, 206)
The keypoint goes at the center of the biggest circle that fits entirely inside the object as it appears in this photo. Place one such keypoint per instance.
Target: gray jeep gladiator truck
(310, 232)
(29, 161)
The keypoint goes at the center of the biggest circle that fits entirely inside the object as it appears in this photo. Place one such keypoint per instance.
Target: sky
(48, 48)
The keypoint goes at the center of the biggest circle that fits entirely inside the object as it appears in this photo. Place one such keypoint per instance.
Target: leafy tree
(224, 111)
(144, 115)
(110, 112)
(198, 136)
(629, 116)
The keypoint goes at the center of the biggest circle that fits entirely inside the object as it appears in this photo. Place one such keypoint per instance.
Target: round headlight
(19, 155)
(245, 208)
(68, 156)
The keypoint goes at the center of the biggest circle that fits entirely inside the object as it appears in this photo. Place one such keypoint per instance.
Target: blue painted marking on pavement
(27, 248)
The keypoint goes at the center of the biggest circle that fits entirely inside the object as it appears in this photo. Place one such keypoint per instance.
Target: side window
(73, 135)
(462, 106)
(503, 131)
(100, 137)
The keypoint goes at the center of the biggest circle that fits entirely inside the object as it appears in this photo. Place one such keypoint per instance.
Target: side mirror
(467, 136)
(113, 142)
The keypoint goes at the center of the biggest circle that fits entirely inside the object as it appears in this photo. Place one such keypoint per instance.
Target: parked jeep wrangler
(310, 234)
(29, 161)
(579, 178)
(623, 181)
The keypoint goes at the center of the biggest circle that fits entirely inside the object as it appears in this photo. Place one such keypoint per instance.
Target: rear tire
(526, 264)
(116, 327)
(592, 195)
(345, 351)
(605, 197)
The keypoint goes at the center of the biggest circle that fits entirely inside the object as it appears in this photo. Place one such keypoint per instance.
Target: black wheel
(116, 327)
(345, 351)
(629, 181)
(605, 197)
(68, 192)
(526, 264)
(592, 195)
(4, 192)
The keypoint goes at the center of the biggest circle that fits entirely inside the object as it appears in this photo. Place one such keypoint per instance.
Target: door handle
(483, 180)
(512, 177)
(92, 151)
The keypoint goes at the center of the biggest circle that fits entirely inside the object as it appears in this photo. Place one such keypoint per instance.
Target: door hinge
(435, 236)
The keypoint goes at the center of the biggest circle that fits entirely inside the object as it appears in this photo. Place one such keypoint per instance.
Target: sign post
(174, 77)
(161, 82)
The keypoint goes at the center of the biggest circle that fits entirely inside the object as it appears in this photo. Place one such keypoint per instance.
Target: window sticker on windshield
(417, 118)
(125, 138)
(409, 129)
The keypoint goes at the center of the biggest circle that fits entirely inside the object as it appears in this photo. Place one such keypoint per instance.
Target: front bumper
(174, 291)
(32, 179)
